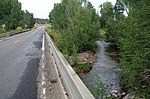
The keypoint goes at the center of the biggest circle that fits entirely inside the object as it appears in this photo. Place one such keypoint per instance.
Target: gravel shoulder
(50, 85)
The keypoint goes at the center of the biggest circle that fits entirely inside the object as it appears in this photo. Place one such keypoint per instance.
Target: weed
(99, 90)
(82, 68)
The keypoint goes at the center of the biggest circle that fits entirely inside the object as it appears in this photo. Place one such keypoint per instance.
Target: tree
(61, 21)
(5, 10)
(12, 15)
(111, 20)
(15, 15)
(28, 20)
(77, 24)
(119, 9)
(131, 33)
(115, 26)
(106, 13)
(135, 47)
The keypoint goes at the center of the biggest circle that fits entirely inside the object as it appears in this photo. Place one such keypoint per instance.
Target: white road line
(43, 66)
(43, 83)
(43, 77)
(43, 45)
(44, 91)
(43, 53)
(17, 41)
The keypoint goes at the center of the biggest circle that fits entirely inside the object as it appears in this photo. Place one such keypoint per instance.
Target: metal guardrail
(74, 85)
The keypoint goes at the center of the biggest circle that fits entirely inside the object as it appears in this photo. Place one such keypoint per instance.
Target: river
(105, 70)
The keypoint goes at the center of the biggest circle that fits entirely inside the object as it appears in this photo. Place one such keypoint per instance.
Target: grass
(56, 36)
(2, 31)
(8, 33)
(99, 91)
(82, 68)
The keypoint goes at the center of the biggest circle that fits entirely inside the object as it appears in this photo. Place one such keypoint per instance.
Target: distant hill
(41, 21)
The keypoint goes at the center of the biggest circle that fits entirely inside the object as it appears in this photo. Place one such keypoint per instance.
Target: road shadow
(37, 44)
(27, 88)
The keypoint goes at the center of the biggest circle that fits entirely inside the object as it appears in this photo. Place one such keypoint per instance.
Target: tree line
(131, 34)
(12, 16)
(41, 21)
(79, 24)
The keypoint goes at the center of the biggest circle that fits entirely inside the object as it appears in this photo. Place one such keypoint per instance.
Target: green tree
(12, 20)
(77, 24)
(119, 9)
(106, 13)
(111, 20)
(12, 16)
(28, 20)
(11, 13)
(135, 47)
(60, 22)
(5, 10)
(131, 33)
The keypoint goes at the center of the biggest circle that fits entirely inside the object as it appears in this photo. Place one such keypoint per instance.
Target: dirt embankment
(85, 63)
(84, 58)
(87, 57)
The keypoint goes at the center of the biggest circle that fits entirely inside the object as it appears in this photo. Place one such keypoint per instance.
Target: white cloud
(41, 8)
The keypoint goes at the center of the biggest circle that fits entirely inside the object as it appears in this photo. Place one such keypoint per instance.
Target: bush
(2, 31)
(82, 68)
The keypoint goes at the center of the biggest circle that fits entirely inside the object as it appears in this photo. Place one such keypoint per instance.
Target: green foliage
(2, 30)
(75, 55)
(115, 29)
(132, 35)
(77, 24)
(102, 34)
(135, 48)
(28, 20)
(11, 14)
(41, 21)
(119, 8)
(111, 20)
(99, 89)
(106, 13)
(82, 68)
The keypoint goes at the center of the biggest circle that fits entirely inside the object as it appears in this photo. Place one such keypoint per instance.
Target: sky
(41, 8)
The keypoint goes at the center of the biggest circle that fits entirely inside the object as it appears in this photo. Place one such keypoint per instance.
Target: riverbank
(85, 62)
(113, 52)
(104, 74)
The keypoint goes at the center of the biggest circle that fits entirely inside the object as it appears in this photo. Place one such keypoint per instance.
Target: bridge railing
(74, 85)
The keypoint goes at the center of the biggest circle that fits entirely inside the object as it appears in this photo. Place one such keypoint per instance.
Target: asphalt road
(19, 62)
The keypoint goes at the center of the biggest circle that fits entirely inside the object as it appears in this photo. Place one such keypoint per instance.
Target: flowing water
(105, 69)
